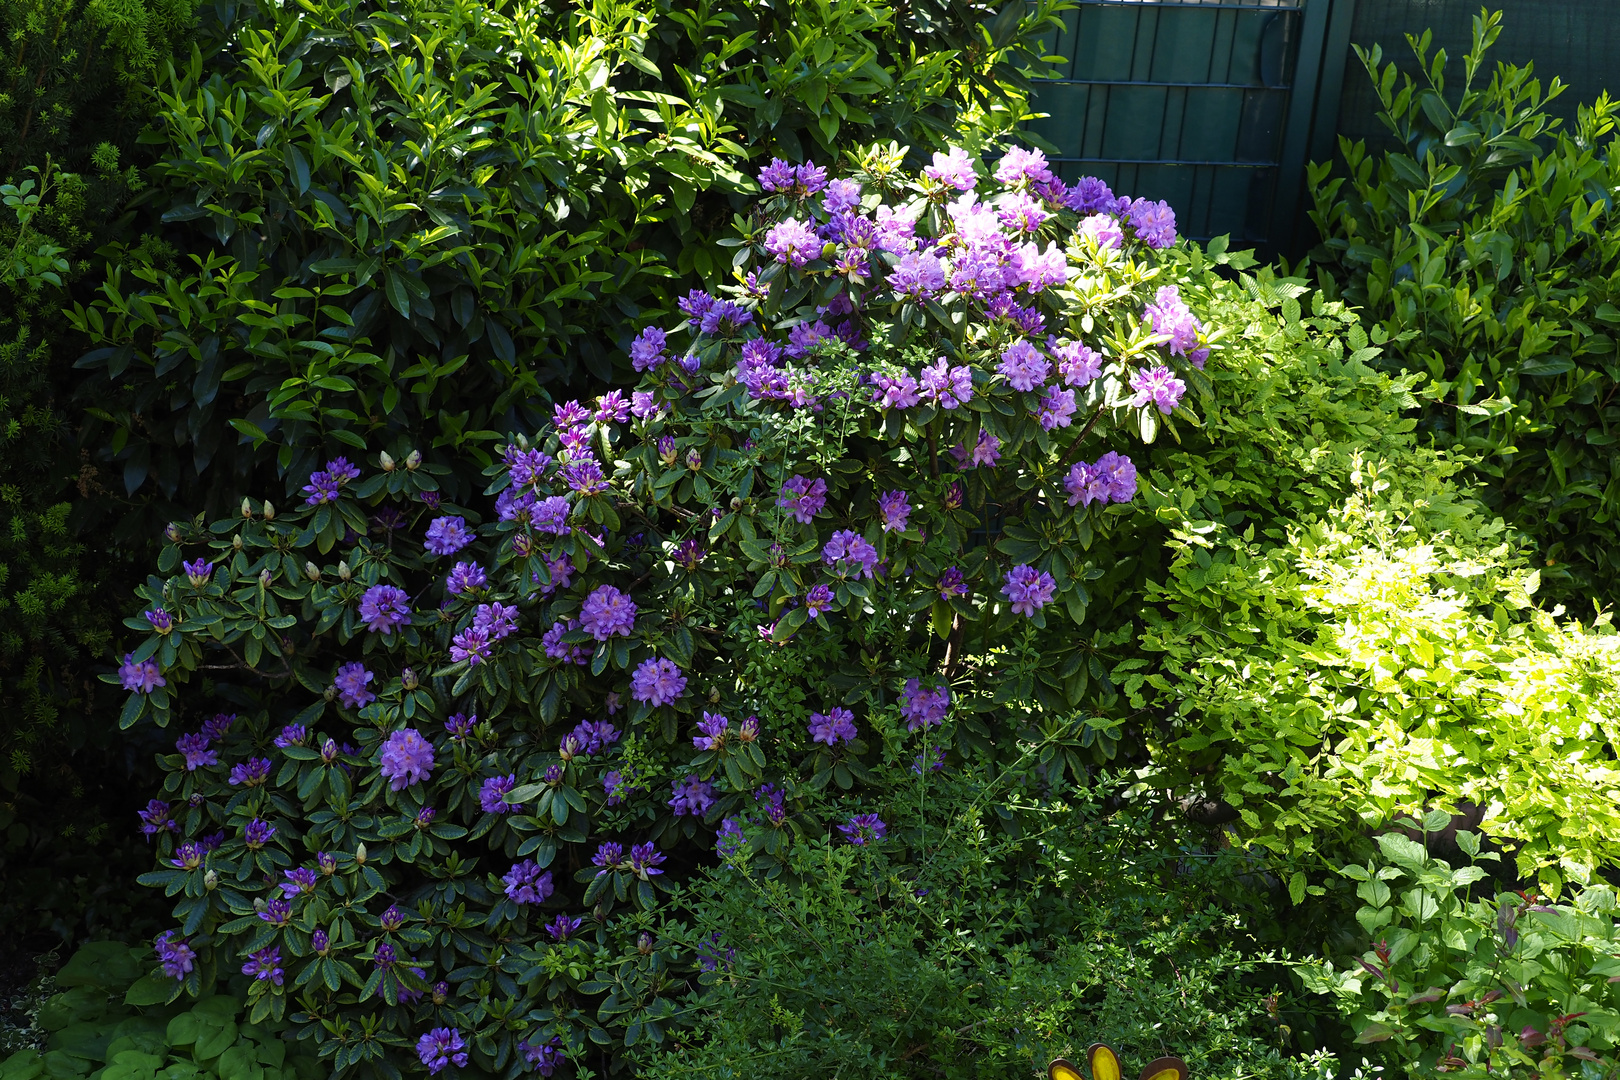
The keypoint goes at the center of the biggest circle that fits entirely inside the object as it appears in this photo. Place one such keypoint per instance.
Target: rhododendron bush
(438, 768)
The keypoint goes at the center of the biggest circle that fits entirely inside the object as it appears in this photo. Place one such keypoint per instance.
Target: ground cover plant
(1483, 243)
(1464, 978)
(110, 1017)
(462, 751)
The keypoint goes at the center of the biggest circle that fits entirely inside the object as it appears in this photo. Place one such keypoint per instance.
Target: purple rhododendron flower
(1079, 364)
(558, 649)
(792, 242)
(526, 883)
(492, 795)
(772, 796)
(1056, 409)
(406, 758)
(895, 391)
(292, 735)
(834, 727)
(569, 414)
(161, 620)
(1103, 230)
(842, 196)
(612, 408)
(251, 773)
(657, 681)
(1022, 213)
(447, 535)
(1023, 366)
(986, 452)
(471, 645)
(264, 966)
(864, 828)
(894, 509)
(351, 683)
(644, 405)
(779, 176)
(1111, 479)
(495, 619)
(198, 572)
(645, 857)
(1019, 166)
(299, 880)
(465, 577)
(140, 676)
(607, 612)
(1158, 387)
(922, 706)
(1029, 589)
(155, 818)
(1154, 223)
(175, 954)
(818, 600)
(919, 275)
(584, 476)
(384, 607)
(711, 732)
(1168, 314)
(440, 1047)
(218, 726)
(946, 386)
(543, 1058)
(594, 736)
(564, 927)
(953, 169)
(730, 839)
(802, 497)
(1090, 195)
(608, 855)
(848, 551)
(692, 798)
(195, 748)
(650, 349)
(258, 833)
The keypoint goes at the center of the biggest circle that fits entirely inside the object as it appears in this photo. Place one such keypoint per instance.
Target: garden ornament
(1105, 1066)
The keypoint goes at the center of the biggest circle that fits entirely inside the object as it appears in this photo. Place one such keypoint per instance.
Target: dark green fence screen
(1212, 106)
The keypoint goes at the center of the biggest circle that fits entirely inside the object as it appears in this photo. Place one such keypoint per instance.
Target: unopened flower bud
(269, 511)
(694, 460)
(312, 571)
(736, 504)
(247, 508)
(236, 541)
(387, 460)
(343, 570)
(360, 855)
(407, 678)
(413, 460)
(264, 578)
(714, 695)
(331, 693)
(441, 993)
(522, 441)
(644, 944)
(210, 881)
(172, 533)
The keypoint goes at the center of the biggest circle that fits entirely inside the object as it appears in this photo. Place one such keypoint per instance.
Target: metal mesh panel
(1182, 100)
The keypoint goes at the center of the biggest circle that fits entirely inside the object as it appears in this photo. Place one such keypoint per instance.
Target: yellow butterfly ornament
(1105, 1066)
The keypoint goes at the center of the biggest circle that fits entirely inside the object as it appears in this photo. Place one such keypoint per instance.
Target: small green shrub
(1462, 979)
(110, 1020)
(1485, 244)
(991, 949)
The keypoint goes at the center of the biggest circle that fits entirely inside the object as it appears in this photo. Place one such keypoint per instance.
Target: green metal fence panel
(1211, 106)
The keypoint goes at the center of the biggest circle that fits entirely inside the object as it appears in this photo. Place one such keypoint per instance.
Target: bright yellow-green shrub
(1385, 657)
